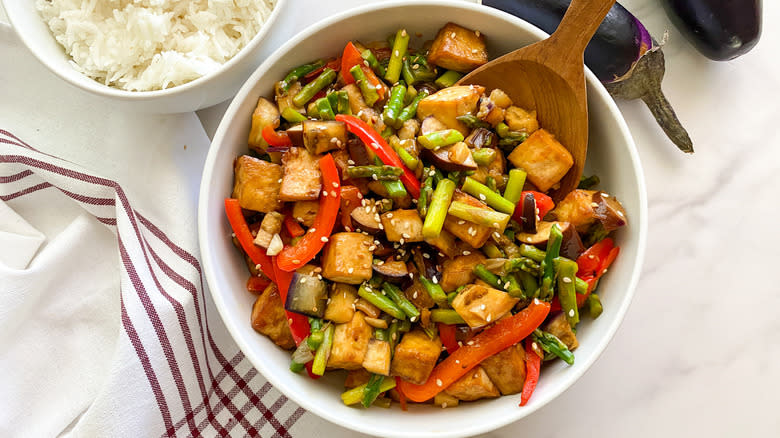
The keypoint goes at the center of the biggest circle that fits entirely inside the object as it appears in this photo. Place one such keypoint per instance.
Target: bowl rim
(478, 427)
(97, 88)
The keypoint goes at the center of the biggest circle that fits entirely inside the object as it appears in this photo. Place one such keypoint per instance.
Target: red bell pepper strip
(544, 204)
(502, 335)
(293, 257)
(351, 198)
(401, 395)
(447, 335)
(533, 365)
(299, 324)
(293, 227)
(245, 238)
(333, 64)
(376, 143)
(275, 138)
(352, 57)
(257, 285)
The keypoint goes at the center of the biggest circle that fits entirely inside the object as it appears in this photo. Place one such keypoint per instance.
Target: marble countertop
(696, 354)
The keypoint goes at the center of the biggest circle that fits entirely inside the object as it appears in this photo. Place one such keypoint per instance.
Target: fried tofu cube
(341, 303)
(460, 271)
(469, 232)
(457, 48)
(415, 356)
(265, 113)
(403, 225)
(444, 242)
(320, 136)
(302, 178)
(256, 184)
(270, 319)
(544, 159)
(350, 343)
(480, 305)
(507, 369)
(577, 209)
(500, 98)
(519, 119)
(445, 400)
(560, 327)
(449, 103)
(347, 259)
(305, 212)
(377, 359)
(356, 378)
(474, 385)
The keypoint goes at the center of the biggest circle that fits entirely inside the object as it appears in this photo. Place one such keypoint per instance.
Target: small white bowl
(200, 93)
(612, 155)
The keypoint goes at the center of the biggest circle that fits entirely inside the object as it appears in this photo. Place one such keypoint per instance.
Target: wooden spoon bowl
(549, 77)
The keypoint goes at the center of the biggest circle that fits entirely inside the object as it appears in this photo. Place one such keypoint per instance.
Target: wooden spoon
(549, 77)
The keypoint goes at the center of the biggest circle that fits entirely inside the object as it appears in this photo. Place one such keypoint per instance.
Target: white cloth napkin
(109, 330)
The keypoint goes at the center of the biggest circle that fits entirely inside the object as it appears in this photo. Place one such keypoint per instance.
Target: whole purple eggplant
(622, 54)
(720, 29)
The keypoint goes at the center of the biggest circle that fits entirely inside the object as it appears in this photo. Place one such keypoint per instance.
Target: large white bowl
(203, 92)
(612, 155)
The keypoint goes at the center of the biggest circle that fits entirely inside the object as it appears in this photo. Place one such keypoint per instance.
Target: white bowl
(612, 155)
(203, 92)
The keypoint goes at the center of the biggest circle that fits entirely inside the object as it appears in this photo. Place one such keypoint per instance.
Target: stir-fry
(395, 225)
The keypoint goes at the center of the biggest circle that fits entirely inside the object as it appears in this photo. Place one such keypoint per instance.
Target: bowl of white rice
(159, 56)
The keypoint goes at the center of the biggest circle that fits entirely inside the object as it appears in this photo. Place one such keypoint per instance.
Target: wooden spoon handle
(577, 27)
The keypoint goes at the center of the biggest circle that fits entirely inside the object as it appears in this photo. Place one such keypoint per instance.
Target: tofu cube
(403, 225)
(347, 259)
(519, 119)
(341, 303)
(302, 178)
(449, 103)
(257, 184)
(469, 232)
(577, 209)
(320, 136)
(459, 271)
(474, 385)
(560, 327)
(377, 359)
(270, 319)
(480, 305)
(457, 48)
(305, 212)
(507, 369)
(415, 356)
(265, 113)
(444, 242)
(350, 343)
(544, 159)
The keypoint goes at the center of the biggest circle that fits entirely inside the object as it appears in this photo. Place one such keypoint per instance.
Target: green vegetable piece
(296, 367)
(407, 158)
(437, 212)
(491, 251)
(488, 277)
(399, 299)
(384, 303)
(370, 94)
(426, 191)
(355, 395)
(479, 215)
(484, 156)
(371, 392)
(324, 109)
(532, 252)
(551, 344)
(400, 44)
(292, 116)
(299, 72)
(315, 339)
(512, 286)
(410, 110)
(382, 173)
(437, 139)
(394, 105)
(434, 290)
(567, 272)
(473, 122)
(593, 306)
(514, 186)
(446, 316)
(588, 182)
(375, 65)
(395, 189)
(448, 79)
(523, 264)
(491, 198)
(381, 334)
(553, 250)
(451, 296)
(529, 283)
(339, 102)
(323, 352)
(404, 326)
(309, 90)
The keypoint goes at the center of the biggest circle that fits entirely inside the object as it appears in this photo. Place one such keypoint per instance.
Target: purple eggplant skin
(617, 45)
(720, 29)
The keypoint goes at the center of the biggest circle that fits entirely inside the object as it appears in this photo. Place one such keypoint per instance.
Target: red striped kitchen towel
(110, 330)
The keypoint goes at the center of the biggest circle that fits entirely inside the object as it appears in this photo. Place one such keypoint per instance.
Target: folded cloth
(19, 240)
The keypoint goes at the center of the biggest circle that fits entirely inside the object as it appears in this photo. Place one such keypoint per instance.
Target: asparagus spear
(394, 105)
(299, 72)
(324, 109)
(514, 186)
(323, 352)
(448, 79)
(309, 90)
(473, 122)
(553, 250)
(479, 215)
(368, 55)
(400, 300)
(434, 290)
(446, 316)
(383, 173)
(491, 198)
(488, 277)
(437, 139)
(355, 395)
(484, 156)
(410, 110)
(426, 191)
(551, 344)
(400, 44)
(371, 391)
(370, 95)
(567, 272)
(593, 306)
(384, 303)
(292, 116)
(437, 212)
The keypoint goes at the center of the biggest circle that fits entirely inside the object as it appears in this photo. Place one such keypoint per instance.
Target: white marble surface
(696, 354)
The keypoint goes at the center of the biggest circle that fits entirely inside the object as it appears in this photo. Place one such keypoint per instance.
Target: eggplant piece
(308, 295)
(366, 218)
(622, 54)
(481, 138)
(529, 214)
(296, 135)
(571, 245)
(720, 29)
(320, 136)
(391, 269)
(609, 211)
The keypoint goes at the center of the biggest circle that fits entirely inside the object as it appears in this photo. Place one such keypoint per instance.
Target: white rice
(142, 45)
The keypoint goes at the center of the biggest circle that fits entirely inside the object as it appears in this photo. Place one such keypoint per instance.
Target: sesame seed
(453, 35)
(620, 213)
(401, 241)
(467, 252)
(477, 33)
(426, 255)
(461, 222)
(528, 239)
(296, 261)
(604, 271)
(333, 193)
(303, 280)
(312, 229)
(335, 184)
(534, 345)
(372, 247)
(482, 307)
(381, 227)
(593, 204)
(280, 180)
(444, 405)
(489, 317)
(474, 50)
(566, 280)
(413, 319)
(406, 235)
(351, 162)
(435, 280)
(350, 270)
(571, 313)
(495, 225)
(470, 343)
(414, 295)
(324, 193)
(432, 173)
(482, 196)
(536, 300)
(591, 256)
(324, 239)
(374, 177)
(403, 33)
(389, 215)
(456, 360)
(438, 382)
(604, 195)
